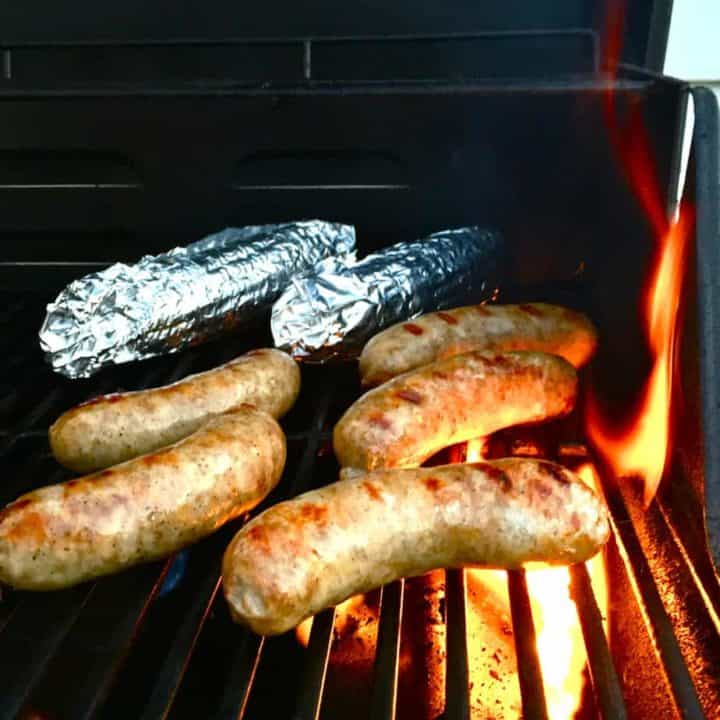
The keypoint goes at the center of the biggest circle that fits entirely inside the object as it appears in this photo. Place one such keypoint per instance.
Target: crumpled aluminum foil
(166, 302)
(332, 311)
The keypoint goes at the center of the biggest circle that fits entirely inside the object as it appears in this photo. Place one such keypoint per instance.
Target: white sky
(693, 51)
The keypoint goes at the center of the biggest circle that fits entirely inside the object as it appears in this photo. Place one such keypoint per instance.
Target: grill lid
(512, 34)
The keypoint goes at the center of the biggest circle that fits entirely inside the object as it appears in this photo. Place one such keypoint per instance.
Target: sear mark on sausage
(412, 396)
(111, 398)
(530, 310)
(258, 534)
(556, 473)
(432, 483)
(544, 491)
(371, 490)
(314, 513)
(494, 473)
(413, 328)
(30, 526)
(469, 522)
(72, 487)
(448, 318)
(255, 353)
(380, 420)
(14, 507)
(502, 360)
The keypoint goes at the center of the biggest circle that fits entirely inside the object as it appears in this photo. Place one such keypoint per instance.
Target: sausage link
(354, 535)
(406, 420)
(500, 328)
(114, 428)
(144, 509)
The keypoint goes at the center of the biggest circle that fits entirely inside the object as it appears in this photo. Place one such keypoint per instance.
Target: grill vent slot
(66, 169)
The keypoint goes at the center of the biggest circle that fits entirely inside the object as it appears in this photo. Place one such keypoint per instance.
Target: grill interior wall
(473, 156)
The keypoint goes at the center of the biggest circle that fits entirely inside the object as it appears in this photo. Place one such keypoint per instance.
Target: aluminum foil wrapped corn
(166, 302)
(334, 310)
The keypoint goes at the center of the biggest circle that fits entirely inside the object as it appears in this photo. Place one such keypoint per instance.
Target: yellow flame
(642, 450)
(475, 449)
(560, 644)
(596, 565)
(342, 612)
(559, 641)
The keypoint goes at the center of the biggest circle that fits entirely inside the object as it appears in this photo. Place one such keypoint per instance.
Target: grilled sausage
(111, 429)
(143, 509)
(500, 328)
(326, 545)
(405, 421)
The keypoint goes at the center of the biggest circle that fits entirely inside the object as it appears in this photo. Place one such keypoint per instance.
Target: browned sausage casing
(500, 328)
(405, 421)
(326, 545)
(111, 429)
(144, 509)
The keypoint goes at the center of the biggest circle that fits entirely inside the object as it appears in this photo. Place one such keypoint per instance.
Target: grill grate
(157, 641)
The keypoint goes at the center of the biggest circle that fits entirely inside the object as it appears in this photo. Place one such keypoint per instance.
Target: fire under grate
(157, 641)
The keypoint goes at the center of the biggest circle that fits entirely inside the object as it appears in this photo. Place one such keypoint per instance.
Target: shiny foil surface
(185, 296)
(334, 310)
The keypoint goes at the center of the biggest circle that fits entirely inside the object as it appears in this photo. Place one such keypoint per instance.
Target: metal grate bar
(85, 633)
(608, 693)
(244, 667)
(181, 369)
(41, 409)
(385, 671)
(179, 653)
(302, 480)
(248, 657)
(29, 639)
(8, 605)
(529, 675)
(12, 311)
(318, 653)
(31, 419)
(457, 676)
(638, 569)
(93, 651)
(8, 401)
(34, 472)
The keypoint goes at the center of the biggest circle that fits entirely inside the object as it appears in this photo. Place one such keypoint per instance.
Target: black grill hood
(541, 31)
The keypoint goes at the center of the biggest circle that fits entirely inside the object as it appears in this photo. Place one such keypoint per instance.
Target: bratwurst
(111, 429)
(143, 509)
(326, 545)
(533, 326)
(405, 421)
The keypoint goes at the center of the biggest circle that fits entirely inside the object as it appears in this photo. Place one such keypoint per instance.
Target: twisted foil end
(165, 302)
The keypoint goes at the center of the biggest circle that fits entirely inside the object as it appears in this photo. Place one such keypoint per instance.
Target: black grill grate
(157, 641)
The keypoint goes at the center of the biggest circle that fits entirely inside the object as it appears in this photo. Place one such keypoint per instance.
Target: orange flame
(559, 642)
(640, 449)
(596, 565)
(493, 666)
(343, 614)
(475, 449)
